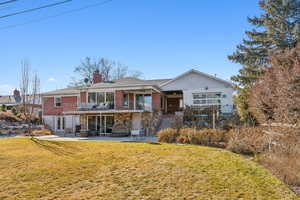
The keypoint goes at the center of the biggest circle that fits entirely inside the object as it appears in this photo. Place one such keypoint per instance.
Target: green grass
(111, 170)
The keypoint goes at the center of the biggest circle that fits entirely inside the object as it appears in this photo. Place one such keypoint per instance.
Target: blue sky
(161, 38)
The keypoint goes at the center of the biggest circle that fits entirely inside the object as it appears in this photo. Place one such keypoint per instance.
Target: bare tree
(276, 96)
(24, 85)
(35, 95)
(109, 69)
(30, 91)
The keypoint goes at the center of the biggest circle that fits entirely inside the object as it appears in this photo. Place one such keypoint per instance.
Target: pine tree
(277, 28)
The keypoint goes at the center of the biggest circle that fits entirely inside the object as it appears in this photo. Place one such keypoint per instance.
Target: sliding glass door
(100, 124)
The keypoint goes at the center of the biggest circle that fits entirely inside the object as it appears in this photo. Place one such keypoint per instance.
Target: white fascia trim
(200, 73)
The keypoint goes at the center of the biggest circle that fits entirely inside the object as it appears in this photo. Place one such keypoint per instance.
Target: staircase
(166, 121)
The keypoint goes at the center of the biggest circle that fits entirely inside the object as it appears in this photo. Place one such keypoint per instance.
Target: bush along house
(122, 106)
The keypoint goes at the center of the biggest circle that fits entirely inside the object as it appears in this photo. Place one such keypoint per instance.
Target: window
(209, 98)
(126, 100)
(110, 97)
(102, 97)
(57, 101)
(92, 97)
(143, 102)
(60, 123)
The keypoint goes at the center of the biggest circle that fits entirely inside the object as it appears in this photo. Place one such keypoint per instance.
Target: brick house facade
(122, 106)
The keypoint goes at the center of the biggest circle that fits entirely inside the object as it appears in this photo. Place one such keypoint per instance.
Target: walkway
(116, 139)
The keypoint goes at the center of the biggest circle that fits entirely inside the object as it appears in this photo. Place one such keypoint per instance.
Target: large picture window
(143, 102)
(92, 97)
(126, 100)
(209, 98)
(102, 97)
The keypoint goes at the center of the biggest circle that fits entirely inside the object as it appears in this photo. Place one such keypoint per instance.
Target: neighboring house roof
(227, 83)
(10, 100)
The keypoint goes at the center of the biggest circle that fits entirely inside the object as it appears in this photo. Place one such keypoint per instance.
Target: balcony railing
(95, 106)
(109, 106)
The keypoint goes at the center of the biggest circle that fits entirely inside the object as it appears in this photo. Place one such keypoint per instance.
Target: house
(131, 104)
(15, 101)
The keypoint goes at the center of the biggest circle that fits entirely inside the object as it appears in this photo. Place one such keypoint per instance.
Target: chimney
(17, 96)
(97, 77)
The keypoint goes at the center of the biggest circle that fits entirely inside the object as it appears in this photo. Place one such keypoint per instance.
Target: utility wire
(34, 9)
(55, 16)
(6, 2)
(6, 8)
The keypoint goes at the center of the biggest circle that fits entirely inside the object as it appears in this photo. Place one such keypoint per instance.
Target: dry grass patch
(33, 169)
(41, 132)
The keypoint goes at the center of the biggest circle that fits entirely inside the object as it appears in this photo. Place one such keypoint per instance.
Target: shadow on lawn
(58, 148)
(144, 142)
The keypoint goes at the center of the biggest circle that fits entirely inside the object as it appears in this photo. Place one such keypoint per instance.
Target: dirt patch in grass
(33, 169)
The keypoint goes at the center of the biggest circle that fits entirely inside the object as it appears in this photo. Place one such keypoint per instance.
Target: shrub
(249, 140)
(168, 135)
(8, 116)
(3, 108)
(34, 118)
(186, 136)
(14, 111)
(208, 137)
(283, 160)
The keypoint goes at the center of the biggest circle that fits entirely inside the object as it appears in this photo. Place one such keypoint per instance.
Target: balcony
(95, 106)
(105, 108)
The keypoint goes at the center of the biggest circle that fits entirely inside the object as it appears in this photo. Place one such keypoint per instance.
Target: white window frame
(62, 123)
(143, 94)
(96, 97)
(55, 102)
(205, 100)
(126, 106)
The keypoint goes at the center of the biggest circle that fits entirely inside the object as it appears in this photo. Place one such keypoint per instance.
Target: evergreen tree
(277, 28)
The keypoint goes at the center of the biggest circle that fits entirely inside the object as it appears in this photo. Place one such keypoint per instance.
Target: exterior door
(173, 105)
(60, 123)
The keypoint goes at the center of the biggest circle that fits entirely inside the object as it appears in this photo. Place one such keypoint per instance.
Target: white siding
(196, 83)
(49, 120)
(193, 81)
(70, 122)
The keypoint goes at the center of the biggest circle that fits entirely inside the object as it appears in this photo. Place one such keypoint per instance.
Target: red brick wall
(119, 99)
(68, 103)
(83, 97)
(131, 101)
(156, 101)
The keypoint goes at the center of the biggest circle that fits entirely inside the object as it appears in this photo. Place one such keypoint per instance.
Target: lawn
(112, 170)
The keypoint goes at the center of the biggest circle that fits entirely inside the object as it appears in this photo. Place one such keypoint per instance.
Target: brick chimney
(17, 96)
(97, 77)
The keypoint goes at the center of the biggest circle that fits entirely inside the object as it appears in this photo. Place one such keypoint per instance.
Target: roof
(140, 81)
(71, 90)
(130, 82)
(10, 100)
(227, 83)
(133, 82)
